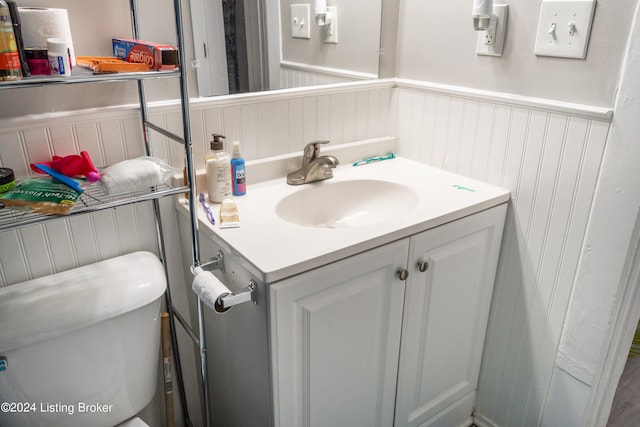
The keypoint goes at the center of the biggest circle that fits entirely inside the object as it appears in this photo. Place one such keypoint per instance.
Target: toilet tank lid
(60, 303)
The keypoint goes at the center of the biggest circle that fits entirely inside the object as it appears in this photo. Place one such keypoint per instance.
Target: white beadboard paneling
(113, 147)
(295, 125)
(323, 105)
(132, 135)
(231, 123)
(109, 136)
(266, 125)
(337, 118)
(351, 124)
(272, 133)
(84, 239)
(548, 154)
(66, 243)
(297, 78)
(63, 140)
(88, 135)
(294, 75)
(61, 248)
(549, 160)
(14, 265)
(309, 119)
(12, 153)
(249, 137)
(36, 146)
(282, 122)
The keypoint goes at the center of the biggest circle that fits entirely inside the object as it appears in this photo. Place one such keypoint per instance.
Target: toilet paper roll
(41, 23)
(209, 289)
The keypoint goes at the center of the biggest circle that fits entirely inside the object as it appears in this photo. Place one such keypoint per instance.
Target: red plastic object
(73, 165)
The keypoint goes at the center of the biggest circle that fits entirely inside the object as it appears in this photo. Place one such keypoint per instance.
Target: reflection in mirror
(254, 45)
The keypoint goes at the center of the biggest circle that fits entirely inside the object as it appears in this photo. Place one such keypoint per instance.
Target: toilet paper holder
(246, 296)
(250, 294)
(216, 263)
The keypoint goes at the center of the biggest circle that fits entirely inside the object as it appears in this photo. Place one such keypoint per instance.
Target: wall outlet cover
(300, 21)
(493, 44)
(330, 32)
(564, 28)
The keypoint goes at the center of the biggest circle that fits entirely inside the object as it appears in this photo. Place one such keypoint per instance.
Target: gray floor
(625, 411)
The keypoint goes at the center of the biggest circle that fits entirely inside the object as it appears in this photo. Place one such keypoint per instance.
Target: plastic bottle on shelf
(17, 32)
(218, 167)
(59, 60)
(239, 186)
(10, 68)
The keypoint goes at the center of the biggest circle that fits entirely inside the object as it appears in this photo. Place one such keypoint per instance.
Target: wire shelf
(93, 199)
(83, 75)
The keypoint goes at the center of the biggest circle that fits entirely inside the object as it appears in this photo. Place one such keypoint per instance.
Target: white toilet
(81, 347)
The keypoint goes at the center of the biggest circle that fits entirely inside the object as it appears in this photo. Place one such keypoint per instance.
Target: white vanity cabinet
(353, 344)
(445, 317)
(335, 334)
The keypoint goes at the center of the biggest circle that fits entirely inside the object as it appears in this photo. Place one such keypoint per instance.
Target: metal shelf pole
(184, 97)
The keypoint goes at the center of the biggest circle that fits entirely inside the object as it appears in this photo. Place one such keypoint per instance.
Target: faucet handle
(311, 151)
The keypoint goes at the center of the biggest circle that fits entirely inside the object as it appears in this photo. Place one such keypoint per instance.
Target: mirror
(254, 45)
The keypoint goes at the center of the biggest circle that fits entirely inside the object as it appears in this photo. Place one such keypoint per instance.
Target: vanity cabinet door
(445, 318)
(335, 337)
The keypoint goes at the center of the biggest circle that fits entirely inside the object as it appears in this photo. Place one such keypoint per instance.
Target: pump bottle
(238, 185)
(218, 169)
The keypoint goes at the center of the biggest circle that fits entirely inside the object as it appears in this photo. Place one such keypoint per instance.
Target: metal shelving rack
(94, 200)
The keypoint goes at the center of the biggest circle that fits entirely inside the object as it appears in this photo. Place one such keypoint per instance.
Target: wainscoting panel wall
(294, 75)
(549, 159)
(267, 124)
(547, 154)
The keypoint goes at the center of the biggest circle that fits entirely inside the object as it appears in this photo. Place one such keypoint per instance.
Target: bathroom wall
(549, 158)
(266, 124)
(436, 43)
(572, 227)
(358, 38)
(567, 173)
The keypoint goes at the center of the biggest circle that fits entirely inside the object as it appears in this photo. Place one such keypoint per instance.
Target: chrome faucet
(314, 167)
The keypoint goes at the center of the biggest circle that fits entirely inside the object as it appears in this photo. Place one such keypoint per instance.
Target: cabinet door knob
(403, 273)
(423, 266)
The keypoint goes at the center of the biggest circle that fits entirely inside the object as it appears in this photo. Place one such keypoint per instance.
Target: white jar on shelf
(59, 57)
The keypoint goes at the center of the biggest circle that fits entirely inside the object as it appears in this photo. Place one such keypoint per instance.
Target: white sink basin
(351, 203)
(288, 229)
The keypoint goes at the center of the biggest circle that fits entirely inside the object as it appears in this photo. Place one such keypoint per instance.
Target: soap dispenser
(218, 167)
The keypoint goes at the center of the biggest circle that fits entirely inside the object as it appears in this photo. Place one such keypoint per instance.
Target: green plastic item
(44, 195)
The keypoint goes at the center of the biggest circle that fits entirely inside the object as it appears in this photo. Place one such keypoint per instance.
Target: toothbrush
(374, 159)
(207, 208)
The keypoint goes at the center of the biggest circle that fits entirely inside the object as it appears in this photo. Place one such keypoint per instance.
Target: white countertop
(279, 249)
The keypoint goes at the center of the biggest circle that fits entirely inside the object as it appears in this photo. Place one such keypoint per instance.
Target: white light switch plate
(300, 21)
(496, 46)
(564, 27)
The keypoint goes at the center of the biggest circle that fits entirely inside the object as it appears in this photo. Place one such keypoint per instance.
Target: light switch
(300, 25)
(564, 28)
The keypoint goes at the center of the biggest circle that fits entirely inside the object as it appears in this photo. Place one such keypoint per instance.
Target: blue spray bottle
(239, 185)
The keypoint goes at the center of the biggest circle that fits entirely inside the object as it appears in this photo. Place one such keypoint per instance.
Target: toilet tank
(81, 347)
